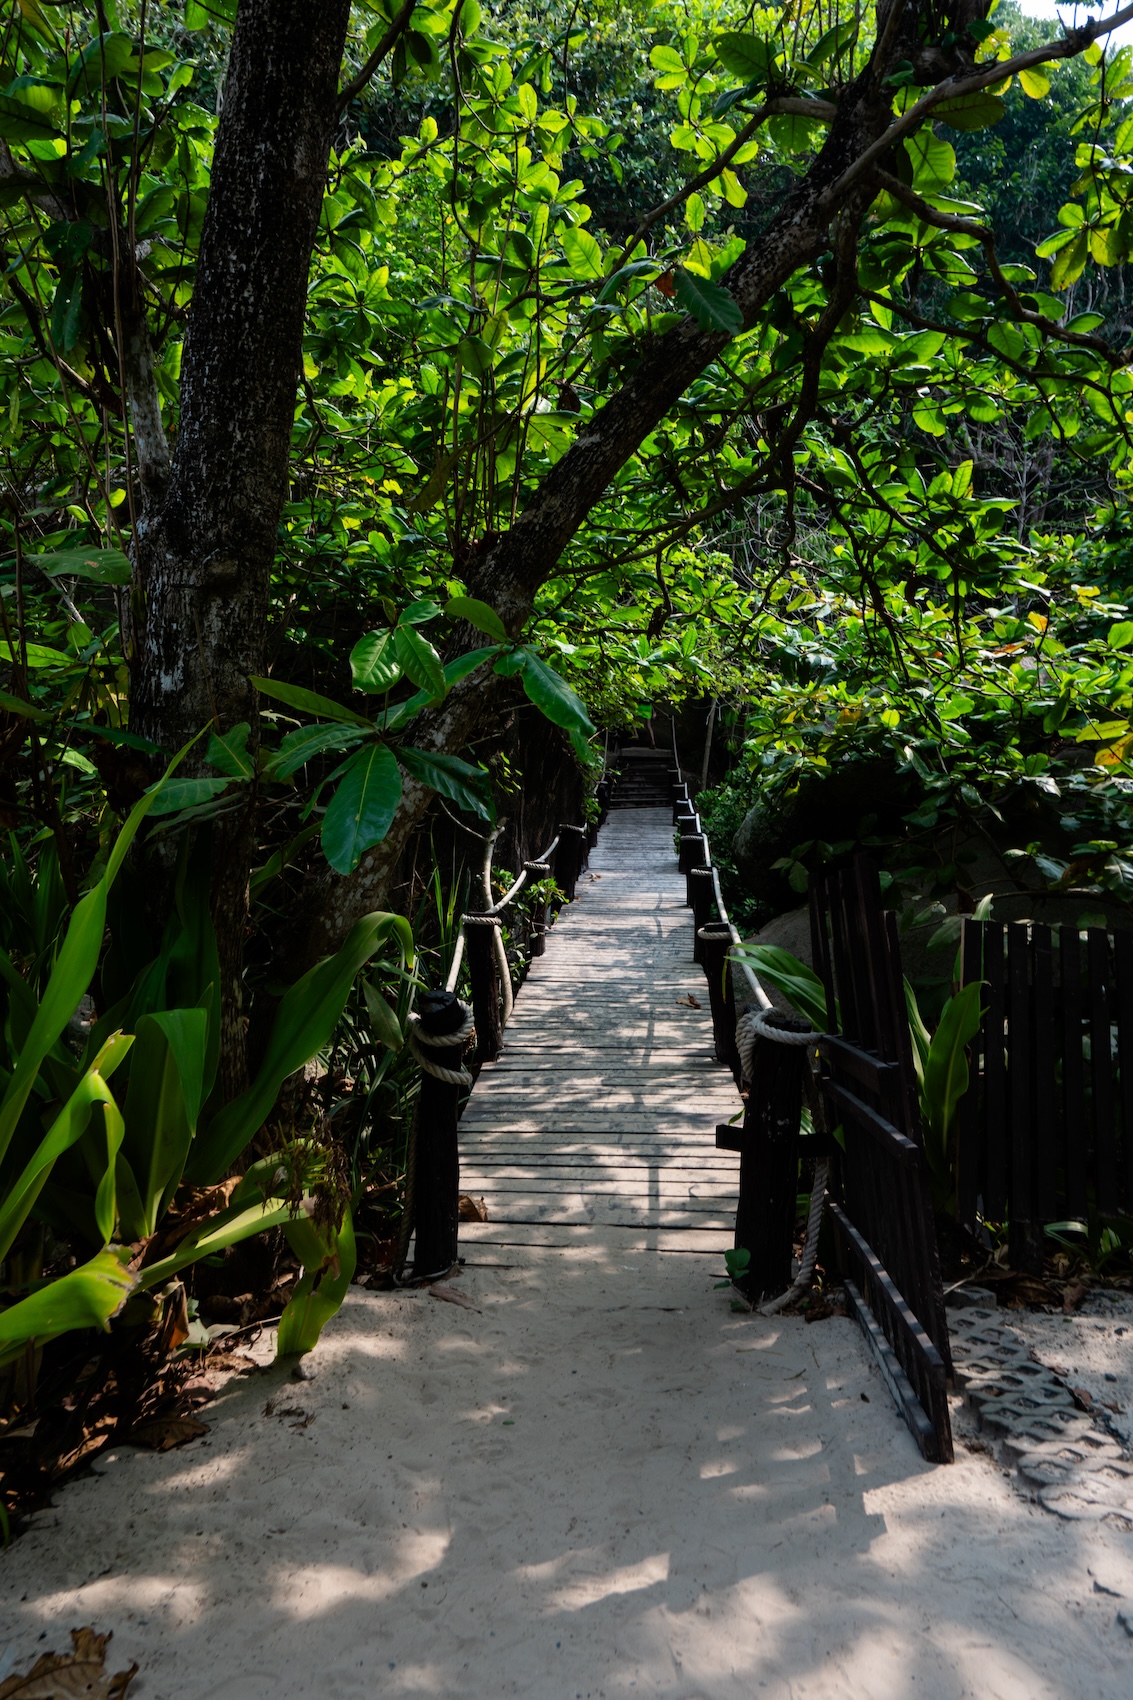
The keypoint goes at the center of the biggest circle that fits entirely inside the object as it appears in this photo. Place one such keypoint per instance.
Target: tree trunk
(203, 558)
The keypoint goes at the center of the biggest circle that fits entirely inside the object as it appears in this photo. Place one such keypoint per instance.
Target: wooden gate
(880, 1205)
(1045, 1130)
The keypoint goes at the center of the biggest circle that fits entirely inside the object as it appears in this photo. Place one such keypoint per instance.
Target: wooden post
(715, 943)
(537, 871)
(602, 792)
(483, 968)
(769, 1161)
(702, 899)
(686, 817)
(569, 855)
(693, 854)
(680, 795)
(436, 1178)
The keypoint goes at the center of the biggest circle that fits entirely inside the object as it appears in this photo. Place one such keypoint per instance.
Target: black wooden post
(693, 854)
(769, 1160)
(436, 1178)
(702, 899)
(686, 817)
(569, 856)
(602, 792)
(715, 943)
(680, 795)
(483, 968)
(536, 872)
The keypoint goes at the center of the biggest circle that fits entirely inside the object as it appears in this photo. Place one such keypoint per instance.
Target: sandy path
(603, 1483)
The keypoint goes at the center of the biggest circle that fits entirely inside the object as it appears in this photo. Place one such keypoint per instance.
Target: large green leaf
(163, 1102)
(550, 693)
(477, 614)
(228, 752)
(20, 122)
(419, 660)
(306, 742)
(454, 671)
(467, 786)
(374, 667)
(310, 702)
(86, 1298)
(169, 798)
(229, 1227)
(101, 566)
(746, 56)
(329, 1260)
(66, 1130)
(710, 305)
(785, 974)
(304, 1022)
(946, 1065)
(361, 811)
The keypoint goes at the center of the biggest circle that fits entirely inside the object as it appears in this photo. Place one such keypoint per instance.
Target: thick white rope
(418, 1041)
(761, 1024)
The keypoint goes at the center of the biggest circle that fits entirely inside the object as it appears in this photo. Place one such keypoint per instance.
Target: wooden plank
(1019, 1084)
(1050, 1194)
(1074, 1118)
(1101, 1070)
(1123, 961)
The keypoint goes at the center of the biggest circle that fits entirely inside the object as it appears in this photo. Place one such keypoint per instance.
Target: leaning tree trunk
(203, 558)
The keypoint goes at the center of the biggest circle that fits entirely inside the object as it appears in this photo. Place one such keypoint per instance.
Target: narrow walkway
(602, 1111)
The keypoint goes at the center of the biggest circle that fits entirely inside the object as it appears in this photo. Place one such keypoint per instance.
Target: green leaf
(784, 973)
(384, 1022)
(20, 122)
(477, 614)
(229, 752)
(306, 742)
(101, 566)
(553, 695)
(946, 1066)
(419, 660)
(163, 1102)
(711, 306)
(66, 1130)
(171, 796)
(329, 1260)
(361, 811)
(17, 705)
(200, 13)
(582, 252)
(971, 111)
(374, 667)
(309, 702)
(745, 55)
(469, 787)
(307, 1015)
(67, 311)
(89, 1297)
(453, 673)
(1121, 635)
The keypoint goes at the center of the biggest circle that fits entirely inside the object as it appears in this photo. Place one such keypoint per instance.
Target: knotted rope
(421, 1043)
(769, 1024)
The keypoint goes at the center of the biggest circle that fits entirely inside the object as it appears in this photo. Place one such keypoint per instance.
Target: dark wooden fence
(1045, 1130)
(881, 1204)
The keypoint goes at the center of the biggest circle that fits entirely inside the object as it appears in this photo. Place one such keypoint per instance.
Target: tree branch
(396, 29)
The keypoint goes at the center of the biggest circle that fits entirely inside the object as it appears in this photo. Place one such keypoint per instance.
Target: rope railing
(768, 1185)
(441, 1029)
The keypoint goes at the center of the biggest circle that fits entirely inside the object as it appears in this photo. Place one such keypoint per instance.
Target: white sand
(603, 1484)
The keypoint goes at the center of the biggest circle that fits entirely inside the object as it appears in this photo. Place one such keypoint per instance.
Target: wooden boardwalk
(601, 1113)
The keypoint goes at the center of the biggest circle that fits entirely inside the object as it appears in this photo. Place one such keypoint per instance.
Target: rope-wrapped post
(569, 859)
(680, 795)
(715, 941)
(537, 872)
(602, 793)
(775, 1062)
(693, 854)
(685, 820)
(439, 1031)
(702, 901)
(484, 969)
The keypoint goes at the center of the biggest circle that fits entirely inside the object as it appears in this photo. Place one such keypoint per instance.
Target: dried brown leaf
(80, 1674)
(162, 1434)
(471, 1209)
(452, 1297)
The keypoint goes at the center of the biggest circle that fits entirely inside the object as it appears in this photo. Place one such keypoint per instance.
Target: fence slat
(1019, 1082)
(1123, 955)
(1048, 1199)
(1076, 1136)
(1101, 1070)
(995, 1078)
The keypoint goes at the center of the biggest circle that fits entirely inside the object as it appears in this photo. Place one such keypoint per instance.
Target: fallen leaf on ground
(1073, 1296)
(452, 1297)
(78, 1675)
(471, 1209)
(689, 1002)
(162, 1434)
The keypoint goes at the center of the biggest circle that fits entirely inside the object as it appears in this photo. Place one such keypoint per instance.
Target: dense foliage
(879, 511)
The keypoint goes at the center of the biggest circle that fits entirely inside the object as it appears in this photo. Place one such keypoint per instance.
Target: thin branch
(396, 29)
